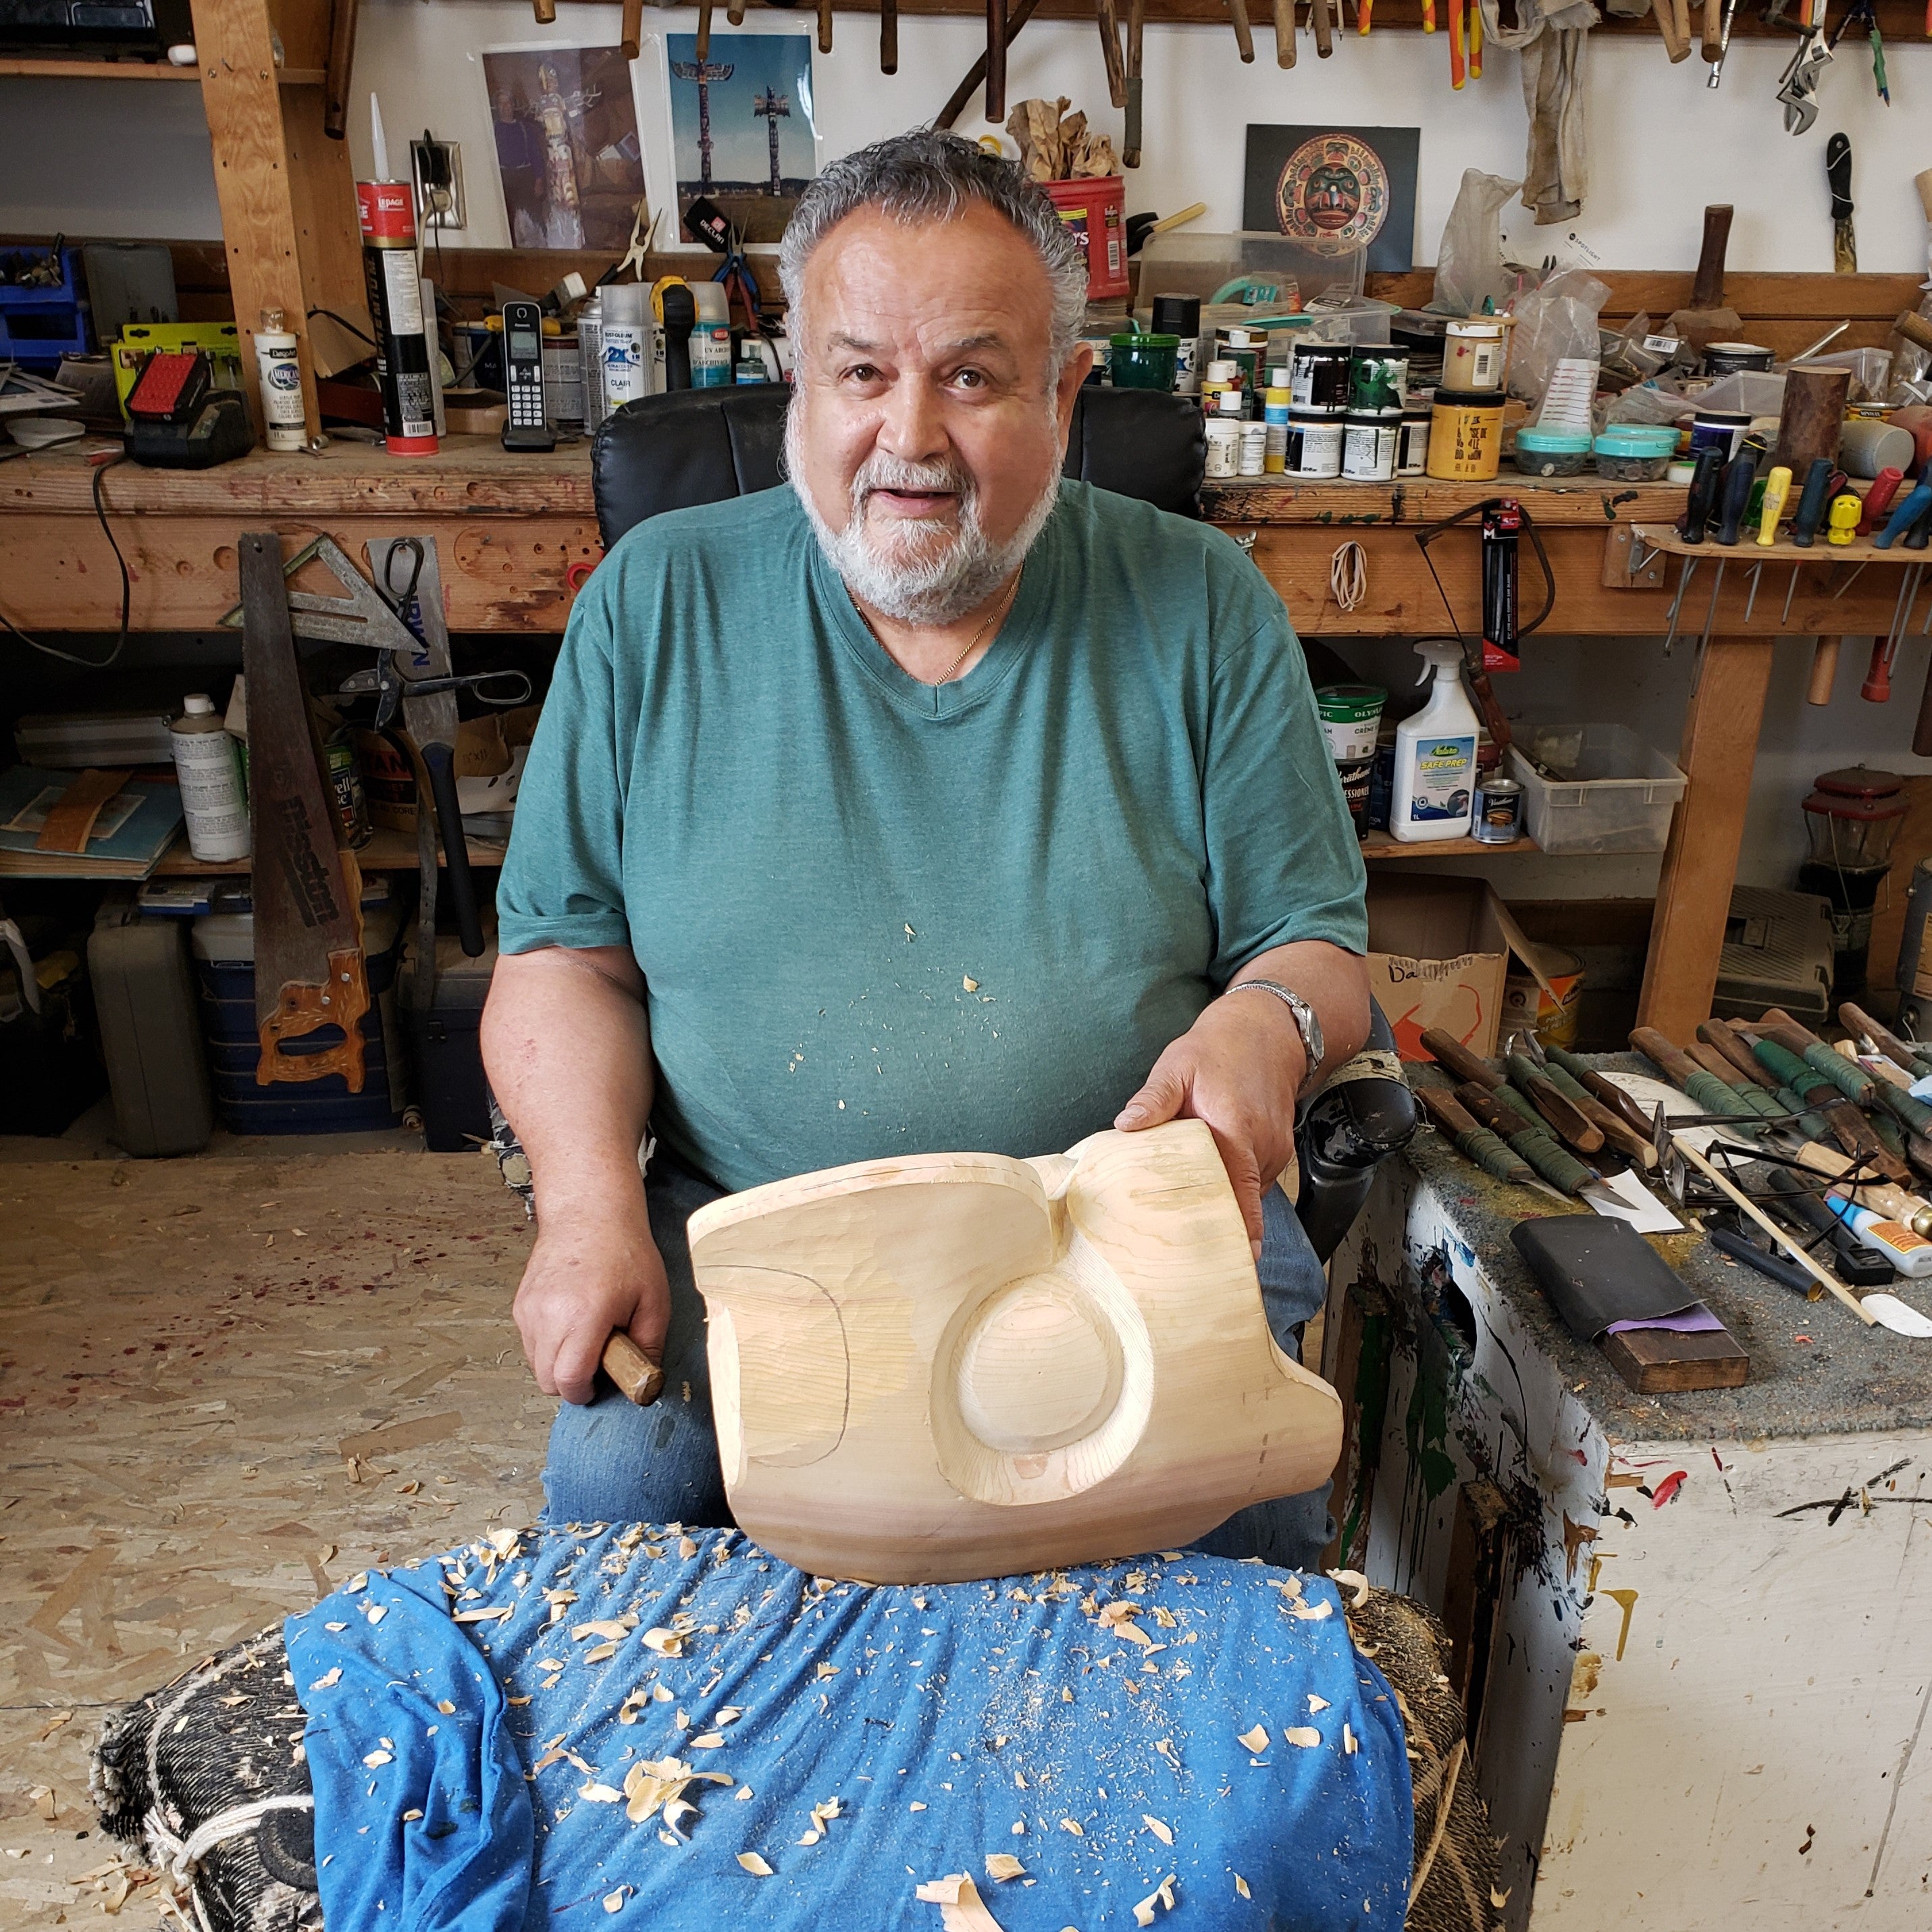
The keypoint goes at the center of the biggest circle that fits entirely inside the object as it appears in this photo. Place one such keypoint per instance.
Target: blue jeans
(611, 1462)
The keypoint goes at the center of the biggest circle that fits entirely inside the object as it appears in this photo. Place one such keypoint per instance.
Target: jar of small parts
(1634, 452)
(1551, 452)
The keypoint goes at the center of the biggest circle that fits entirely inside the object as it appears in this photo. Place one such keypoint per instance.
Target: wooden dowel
(1244, 38)
(1824, 670)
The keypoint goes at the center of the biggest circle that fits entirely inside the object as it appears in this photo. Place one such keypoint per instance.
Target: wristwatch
(1305, 1024)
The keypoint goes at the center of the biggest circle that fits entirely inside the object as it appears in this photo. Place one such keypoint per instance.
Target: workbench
(1689, 1629)
(514, 530)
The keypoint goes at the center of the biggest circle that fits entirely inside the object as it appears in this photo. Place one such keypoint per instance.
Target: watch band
(1305, 1024)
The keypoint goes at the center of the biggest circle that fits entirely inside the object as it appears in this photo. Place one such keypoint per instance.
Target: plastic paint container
(1551, 452)
(1254, 449)
(1473, 357)
(1144, 361)
(1179, 317)
(1314, 444)
(1378, 383)
(1351, 716)
(1318, 377)
(1368, 445)
(1411, 442)
(1727, 358)
(1719, 430)
(1634, 452)
(1465, 437)
(1275, 417)
(1224, 446)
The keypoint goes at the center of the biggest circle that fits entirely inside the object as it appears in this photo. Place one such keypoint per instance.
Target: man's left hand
(1239, 1068)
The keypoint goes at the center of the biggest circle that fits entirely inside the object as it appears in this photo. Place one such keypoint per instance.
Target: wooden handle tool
(1016, 17)
(1713, 50)
(1109, 23)
(1130, 140)
(1754, 1095)
(1533, 1143)
(1677, 46)
(1716, 1035)
(704, 49)
(1473, 1140)
(1824, 670)
(630, 30)
(545, 11)
(1713, 1095)
(1284, 33)
(735, 12)
(1244, 38)
(1895, 1203)
(825, 26)
(1606, 1090)
(638, 1378)
(1746, 1206)
(1707, 292)
(1325, 29)
(997, 38)
(1901, 1053)
(889, 36)
(1555, 1106)
(1451, 1052)
(1618, 1132)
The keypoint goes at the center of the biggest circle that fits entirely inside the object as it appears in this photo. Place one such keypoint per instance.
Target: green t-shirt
(876, 917)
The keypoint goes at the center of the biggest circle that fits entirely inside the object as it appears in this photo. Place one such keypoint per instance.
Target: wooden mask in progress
(960, 1365)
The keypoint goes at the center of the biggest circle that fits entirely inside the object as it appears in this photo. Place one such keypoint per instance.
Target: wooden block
(1658, 1361)
(960, 1365)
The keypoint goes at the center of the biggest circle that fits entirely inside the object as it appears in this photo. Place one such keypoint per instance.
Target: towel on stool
(567, 1725)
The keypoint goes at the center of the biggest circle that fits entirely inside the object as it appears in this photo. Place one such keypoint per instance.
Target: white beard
(948, 572)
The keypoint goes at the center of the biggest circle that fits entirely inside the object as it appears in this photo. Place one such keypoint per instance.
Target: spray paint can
(627, 344)
(386, 211)
(590, 353)
(277, 362)
(209, 768)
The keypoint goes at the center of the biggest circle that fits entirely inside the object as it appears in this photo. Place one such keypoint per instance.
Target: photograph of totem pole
(742, 130)
(567, 145)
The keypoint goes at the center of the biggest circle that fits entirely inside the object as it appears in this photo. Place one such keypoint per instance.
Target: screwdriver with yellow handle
(1777, 489)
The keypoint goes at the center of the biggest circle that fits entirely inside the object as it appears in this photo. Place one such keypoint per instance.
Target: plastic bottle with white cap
(1435, 789)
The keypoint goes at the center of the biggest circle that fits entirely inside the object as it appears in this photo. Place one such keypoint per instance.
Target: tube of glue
(1911, 1254)
(386, 210)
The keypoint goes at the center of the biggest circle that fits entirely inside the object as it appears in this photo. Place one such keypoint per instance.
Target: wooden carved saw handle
(302, 1009)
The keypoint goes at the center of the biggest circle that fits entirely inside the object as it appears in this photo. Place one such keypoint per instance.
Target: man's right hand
(590, 1273)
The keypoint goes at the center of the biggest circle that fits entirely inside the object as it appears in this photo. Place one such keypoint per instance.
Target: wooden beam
(328, 245)
(243, 103)
(1700, 860)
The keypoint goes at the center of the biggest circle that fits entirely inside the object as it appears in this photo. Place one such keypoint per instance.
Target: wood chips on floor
(225, 1383)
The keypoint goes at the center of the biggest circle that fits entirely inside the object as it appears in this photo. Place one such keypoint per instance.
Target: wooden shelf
(387, 851)
(24, 67)
(1379, 845)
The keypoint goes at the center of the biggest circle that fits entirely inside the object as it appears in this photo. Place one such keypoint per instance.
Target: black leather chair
(695, 446)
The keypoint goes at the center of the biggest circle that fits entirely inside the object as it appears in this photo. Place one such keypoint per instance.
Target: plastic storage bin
(1613, 793)
(445, 1046)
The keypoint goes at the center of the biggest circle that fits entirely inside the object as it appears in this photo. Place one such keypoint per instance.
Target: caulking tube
(1911, 1254)
(386, 211)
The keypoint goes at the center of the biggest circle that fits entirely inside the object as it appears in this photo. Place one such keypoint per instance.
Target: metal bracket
(1629, 562)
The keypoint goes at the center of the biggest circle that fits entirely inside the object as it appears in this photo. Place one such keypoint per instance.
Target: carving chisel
(1901, 1053)
(1570, 1122)
(1605, 1091)
(1244, 37)
(1849, 1127)
(1284, 33)
(1715, 1096)
(1130, 147)
(1451, 1052)
(1534, 1143)
(1753, 1096)
(1109, 22)
(1616, 1130)
(1470, 1138)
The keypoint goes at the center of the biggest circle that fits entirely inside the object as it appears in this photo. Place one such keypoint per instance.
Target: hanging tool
(1471, 1139)
(1733, 501)
(1504, 549)
(1319, 19)
(1473, 14)
(1861, 14)
(1284, 33)
(1428, 16)
(1016, 17)
(889, 36)
(1244, 37)
(1716, 77)
(1712, 32)
(825, 26)
(1844, 236)
(1798, 89)
(1363, 8)
(1676, 44)
(309, 968)
(1776, 489)
(1108, 22)
(1502, 528)
(335, 75)
(1130, 144)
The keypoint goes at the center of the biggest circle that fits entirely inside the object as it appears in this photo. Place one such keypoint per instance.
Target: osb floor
(225, 1382)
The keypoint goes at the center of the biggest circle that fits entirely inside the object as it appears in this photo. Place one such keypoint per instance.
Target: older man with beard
(928, 802)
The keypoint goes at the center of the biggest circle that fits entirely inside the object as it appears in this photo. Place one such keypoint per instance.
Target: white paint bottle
(208, 765)
(278, 364)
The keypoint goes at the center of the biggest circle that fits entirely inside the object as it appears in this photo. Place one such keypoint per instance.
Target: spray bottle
(1435, 754)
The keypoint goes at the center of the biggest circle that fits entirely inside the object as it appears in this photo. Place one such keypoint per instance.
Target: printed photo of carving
(1336, 190)
(567, 145)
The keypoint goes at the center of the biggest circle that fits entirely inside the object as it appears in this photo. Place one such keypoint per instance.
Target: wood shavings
(446, 1707)
(1074, 1826)
(327, 1680)
(1161, 1830)
(744, 1794)
(710, 1740)
(666, 1643)
(613, 1901)
(660, 1694)
(51, 1725)
(1313, 1613)
(1303, 1737)
(493, 1616)
(1350, 1743)
(729, 1713)
(613, 1628)
(1001, 1866)
(373, 1758)
(600, 1654)
(1315, 1703)
(916, 1805)
(687, 1547)
(1353, 1581)
(549, 1663)
(754, 1864)
(1255, 1741)
(600, 1794)
(971, 984)
(1162, 1894)
(826, 1670)
(961, 1907)
(1241, 1887)
(1164, 1618)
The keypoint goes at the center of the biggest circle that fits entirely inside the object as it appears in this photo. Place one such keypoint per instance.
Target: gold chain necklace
(945, 676)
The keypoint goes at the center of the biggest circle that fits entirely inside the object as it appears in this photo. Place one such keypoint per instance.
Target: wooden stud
(1700, 858)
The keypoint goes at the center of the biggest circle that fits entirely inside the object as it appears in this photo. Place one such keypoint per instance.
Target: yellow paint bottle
(1465, 437)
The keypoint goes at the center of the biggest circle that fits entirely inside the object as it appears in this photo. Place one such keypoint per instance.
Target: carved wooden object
(959, 1366)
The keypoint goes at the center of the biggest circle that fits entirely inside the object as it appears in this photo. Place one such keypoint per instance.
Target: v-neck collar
(941, 702)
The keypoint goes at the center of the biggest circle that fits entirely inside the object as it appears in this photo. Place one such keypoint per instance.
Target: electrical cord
(127, 587)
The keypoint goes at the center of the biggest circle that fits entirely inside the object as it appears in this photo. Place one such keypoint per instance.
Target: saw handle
(441, 762)
(303, 1009)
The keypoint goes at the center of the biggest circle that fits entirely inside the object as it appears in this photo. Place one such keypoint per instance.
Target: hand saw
(309, 971)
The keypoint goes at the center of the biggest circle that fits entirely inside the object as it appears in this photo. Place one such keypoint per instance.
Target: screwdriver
(1776, 488)
(1878, 498)
(1734, 497)
(1698, 506)
(1811, 507)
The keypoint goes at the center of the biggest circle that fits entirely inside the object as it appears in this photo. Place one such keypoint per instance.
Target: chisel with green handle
(1902, 1053)
(1535, 1144)
(1468, 1136)
(1713, 1095)
(1764, 1105)
(1601, 1088)
(1605, 1120)
(1849, 1127)
(1717, 1036)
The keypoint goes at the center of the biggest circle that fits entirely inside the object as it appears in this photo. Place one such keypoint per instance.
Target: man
(927, 803)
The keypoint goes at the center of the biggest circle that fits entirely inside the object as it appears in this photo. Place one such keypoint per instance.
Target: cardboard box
(1438, 953)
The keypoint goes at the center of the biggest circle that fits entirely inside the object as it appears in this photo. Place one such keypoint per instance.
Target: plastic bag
(1469, 268)
(1553, 322)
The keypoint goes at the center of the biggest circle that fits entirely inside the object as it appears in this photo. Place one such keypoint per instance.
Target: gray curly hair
(930, 175)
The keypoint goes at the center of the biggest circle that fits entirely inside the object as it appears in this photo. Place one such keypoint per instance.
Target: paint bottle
(277, 362)
(626, 338)
(1180, 315)
(1254, 448)
(209, 768)
(1275, 417)
(1224, 446)
(1435, 790)
(1911, 1254)
(711, 338)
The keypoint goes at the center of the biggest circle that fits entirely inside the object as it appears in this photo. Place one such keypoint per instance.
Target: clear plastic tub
(1611, 793)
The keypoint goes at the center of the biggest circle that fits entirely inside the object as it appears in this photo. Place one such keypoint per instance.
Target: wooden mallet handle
(638, 1378)
(1707, 290)
(1713, 38)
(1824, 670)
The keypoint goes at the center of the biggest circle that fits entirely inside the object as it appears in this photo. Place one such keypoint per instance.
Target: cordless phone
(527, 427)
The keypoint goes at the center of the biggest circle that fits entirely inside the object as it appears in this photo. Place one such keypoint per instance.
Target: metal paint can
(1318, 377)
(1465, 437)
(1314, 447)
(1499, 814)
(1553, 1020)
(1378, 383)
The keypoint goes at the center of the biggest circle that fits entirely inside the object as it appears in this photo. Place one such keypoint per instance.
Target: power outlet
(438, 168)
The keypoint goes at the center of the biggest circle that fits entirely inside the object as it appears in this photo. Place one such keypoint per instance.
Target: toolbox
(145, 1000)
(39, 325)
(224, 958)
(445, 1046)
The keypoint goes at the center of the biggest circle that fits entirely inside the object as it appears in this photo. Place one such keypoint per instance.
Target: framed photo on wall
(1333, 188)
(743, 133)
